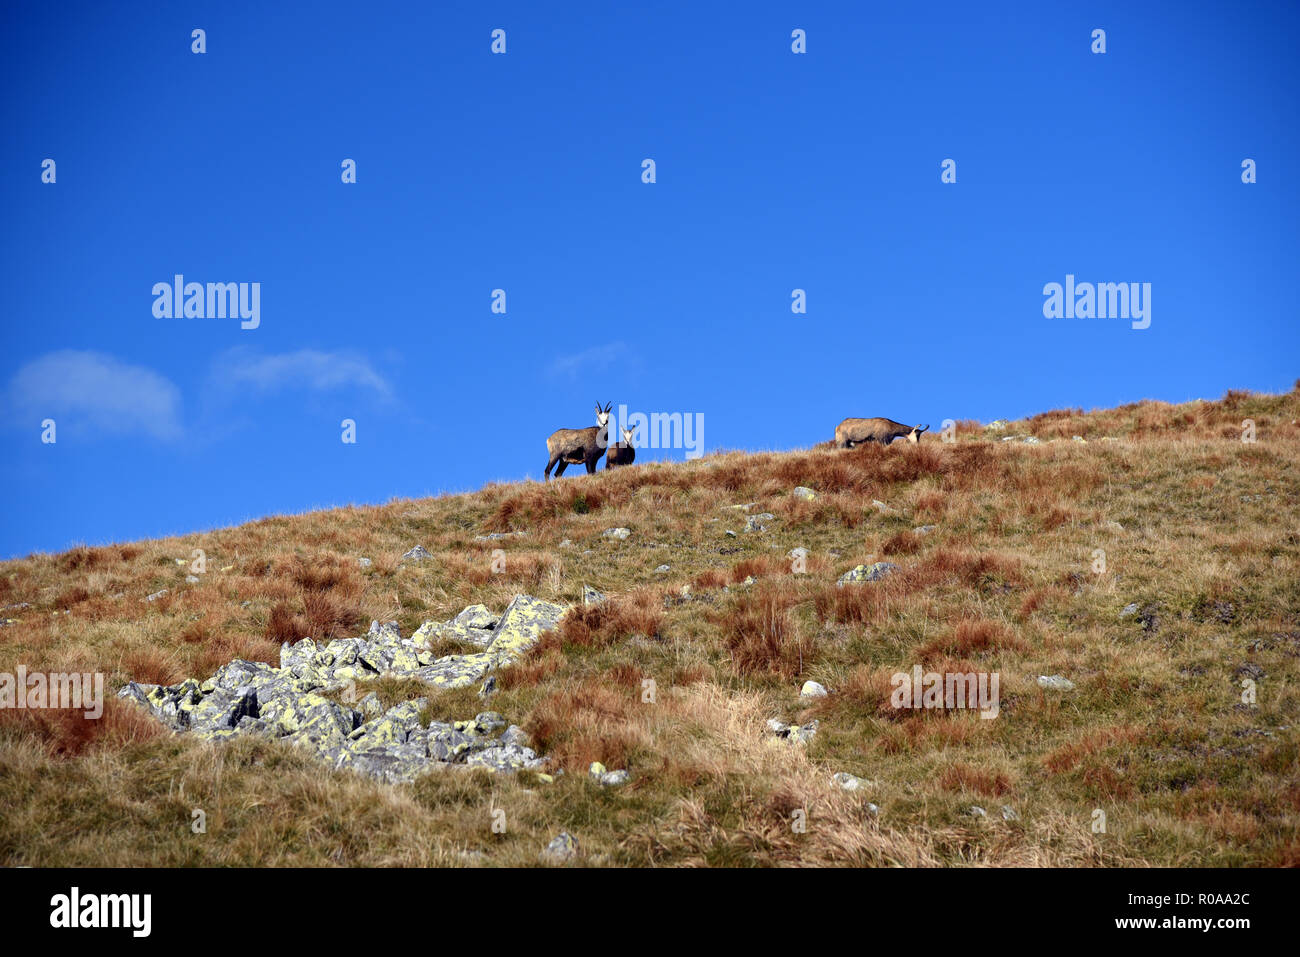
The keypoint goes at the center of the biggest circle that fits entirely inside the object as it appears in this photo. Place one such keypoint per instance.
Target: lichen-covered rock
(447, 744)
(590, 596)
(457, 671)
(485, 722)
(241, 674)
(795, 734)
(139, 693)
(505, 757)
(866, 573)
(619, 533)
(291, 703)
(395, 763)
(395, 726)
(418, 553)
(521, 625)
(606, 778)
(222, 710)
(311, 718)
(473, 626)
(370, 706)
(807, 494)
(813, 689)
(476, 616)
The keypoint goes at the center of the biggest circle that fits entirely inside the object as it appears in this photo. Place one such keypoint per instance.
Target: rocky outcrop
(293, 703)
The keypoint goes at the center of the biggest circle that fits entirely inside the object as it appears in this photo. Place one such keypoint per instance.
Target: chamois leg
(550, 464)
(562, 466)
(591, 465)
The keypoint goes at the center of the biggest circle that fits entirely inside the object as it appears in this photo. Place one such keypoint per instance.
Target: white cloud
(97, 390)
(597, 357)
(304, 369)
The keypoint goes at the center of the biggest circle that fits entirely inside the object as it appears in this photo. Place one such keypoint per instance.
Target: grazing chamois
(579, 446)
(853, 432)
(621, 453)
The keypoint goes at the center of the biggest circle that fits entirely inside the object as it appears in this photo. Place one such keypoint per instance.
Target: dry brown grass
(1155, 731)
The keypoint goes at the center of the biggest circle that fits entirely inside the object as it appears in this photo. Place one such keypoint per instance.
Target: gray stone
(516, 735)
(452, 746)
(475, 616)
(505, 757)
(866, 573)
(807, 494)
(619, 533)
(562, 848)
(417, 554)
(1055, 683)
(849, 782)
(488, 722)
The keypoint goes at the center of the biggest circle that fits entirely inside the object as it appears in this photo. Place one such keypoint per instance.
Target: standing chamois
(853, 432)
(621, 453)
(579, 446)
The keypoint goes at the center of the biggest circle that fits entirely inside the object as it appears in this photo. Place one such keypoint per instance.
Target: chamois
(621, 453)
(853, 432)
(579, 446)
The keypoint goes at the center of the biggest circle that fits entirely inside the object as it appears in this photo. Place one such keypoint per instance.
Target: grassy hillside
(1200, 530)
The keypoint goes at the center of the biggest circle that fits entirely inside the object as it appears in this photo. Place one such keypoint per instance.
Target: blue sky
(775, 171)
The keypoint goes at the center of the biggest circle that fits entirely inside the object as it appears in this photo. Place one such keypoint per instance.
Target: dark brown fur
(621, 453)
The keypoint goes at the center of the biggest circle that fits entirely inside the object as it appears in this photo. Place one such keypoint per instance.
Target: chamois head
(602, 415)
(915, 435)
(627, 436)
